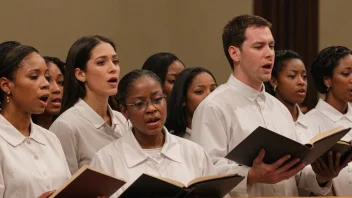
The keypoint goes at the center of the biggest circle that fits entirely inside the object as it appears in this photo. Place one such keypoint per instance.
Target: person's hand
(325, 172)
(273, 173)
(47, 194)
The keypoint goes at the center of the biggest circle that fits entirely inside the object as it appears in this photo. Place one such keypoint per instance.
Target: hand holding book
(273, 173)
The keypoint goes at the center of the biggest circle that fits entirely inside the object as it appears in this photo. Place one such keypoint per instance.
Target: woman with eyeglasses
(148, 147)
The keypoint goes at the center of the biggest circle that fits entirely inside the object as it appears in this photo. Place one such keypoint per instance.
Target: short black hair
(60, 64)
(159, 63)
(324, 64)
(281, 58)
(234, 32)
(176, 119)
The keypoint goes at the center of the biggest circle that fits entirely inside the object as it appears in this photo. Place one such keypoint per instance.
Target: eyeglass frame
(152, 101)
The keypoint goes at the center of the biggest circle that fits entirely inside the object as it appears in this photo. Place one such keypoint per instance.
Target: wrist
(251, 177)
(321, 180)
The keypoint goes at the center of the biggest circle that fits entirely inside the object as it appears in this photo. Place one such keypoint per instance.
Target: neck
(292, 107)
(150, 141)
(99, 104)
(44, 120)
(19, 119)
(189, 120)
(244, 79)
(339, 105)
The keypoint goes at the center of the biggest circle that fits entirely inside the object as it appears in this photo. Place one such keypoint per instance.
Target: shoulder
(119, 117)
(188, 147)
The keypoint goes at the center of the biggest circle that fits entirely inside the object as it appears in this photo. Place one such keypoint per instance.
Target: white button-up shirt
(30, 165)
(179, 159)
(325, 117)
(304, 129)
(227, 116)
(82, 132)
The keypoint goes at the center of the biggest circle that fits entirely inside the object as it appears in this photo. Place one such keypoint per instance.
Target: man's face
(256, 57)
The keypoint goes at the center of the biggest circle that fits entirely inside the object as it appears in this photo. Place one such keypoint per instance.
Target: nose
(44, 84)
(114, 68)
(150, 108)
(55, 89)
(301, 81)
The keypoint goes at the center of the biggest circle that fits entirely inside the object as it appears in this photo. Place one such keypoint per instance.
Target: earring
(8, 97)
(275, 88)
(327, 89)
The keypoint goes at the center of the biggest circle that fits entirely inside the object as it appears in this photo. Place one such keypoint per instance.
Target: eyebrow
(143, 97)
(104, 56)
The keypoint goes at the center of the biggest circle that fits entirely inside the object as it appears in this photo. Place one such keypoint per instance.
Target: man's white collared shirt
(179, 159)
(227, 116)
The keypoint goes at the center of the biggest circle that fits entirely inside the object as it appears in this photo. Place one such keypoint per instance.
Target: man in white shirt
(235, 109)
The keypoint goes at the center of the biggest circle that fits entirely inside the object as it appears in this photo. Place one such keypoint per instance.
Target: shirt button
(35, 157)
(28, 141)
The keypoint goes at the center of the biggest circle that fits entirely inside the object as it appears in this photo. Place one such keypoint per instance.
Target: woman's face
(202, 85)
(29, 89)
(146, 106)
(102, 71)
(56, 89)
(172, 73)
(341, 81)
(291, 82)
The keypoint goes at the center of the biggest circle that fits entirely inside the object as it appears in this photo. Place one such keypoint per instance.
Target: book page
(171, 181)
(325, 134)
(208, 178)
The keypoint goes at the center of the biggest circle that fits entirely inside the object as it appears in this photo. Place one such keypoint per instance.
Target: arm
(67, 137)
(209, 130)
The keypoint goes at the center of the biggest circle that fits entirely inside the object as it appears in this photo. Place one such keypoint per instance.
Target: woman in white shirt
(191, 87)
(148, 147)
(289, 85)
(332, 76)
(56, 71)
(32, 160)
(87, 122)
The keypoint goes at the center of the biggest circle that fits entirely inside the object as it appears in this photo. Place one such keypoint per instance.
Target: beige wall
(190, 29)
(335, 25)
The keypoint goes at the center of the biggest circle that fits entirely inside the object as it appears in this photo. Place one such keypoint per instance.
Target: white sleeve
(2, 183)
(210, 131)
(68, 139)
(307, 180)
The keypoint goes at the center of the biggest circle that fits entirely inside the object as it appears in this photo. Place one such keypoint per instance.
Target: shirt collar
(248, 92)
(301, 118)
(88, 113)
(188, 131)
(14, 137)
(333, 114)
(135, 155)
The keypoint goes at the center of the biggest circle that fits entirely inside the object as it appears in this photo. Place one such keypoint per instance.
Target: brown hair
(234, 31)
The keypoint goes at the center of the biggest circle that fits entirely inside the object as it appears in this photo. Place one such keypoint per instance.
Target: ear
(124, 111)
(5, 84)
(327, 81)
(273, 82)
(80, 75)
(235, 53)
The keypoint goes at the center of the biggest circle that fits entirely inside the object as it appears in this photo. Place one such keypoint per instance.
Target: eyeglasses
(142, 106)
